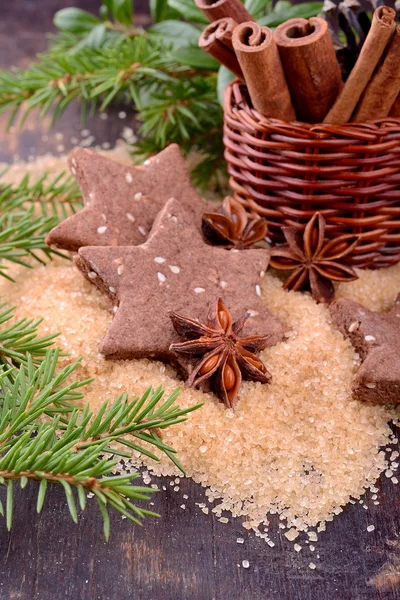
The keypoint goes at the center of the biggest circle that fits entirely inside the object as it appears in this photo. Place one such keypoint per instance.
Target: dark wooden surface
(185, 555)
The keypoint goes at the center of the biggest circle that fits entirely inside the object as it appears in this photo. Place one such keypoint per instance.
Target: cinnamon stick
(216, 39)
(310, 65)
(384, 87)
(259, 60)
(218, 9)
(378, 37)
(395, 110)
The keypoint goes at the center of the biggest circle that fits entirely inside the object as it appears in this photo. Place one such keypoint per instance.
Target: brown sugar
(300, 446)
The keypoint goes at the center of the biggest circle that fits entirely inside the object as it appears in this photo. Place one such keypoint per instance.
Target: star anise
(315, 261)
(233, 227)
(226, 357)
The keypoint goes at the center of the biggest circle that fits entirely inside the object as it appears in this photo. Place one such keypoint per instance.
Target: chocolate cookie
(376, 337)
(174, 271)
(122, 202)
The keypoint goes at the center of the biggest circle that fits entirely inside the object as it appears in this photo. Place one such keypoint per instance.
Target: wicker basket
(287, 171)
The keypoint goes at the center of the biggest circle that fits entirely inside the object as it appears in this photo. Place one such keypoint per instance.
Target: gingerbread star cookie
(121, 202)
(174, 271)
(376, 338)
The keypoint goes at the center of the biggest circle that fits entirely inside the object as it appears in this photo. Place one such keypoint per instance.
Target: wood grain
(185, 555)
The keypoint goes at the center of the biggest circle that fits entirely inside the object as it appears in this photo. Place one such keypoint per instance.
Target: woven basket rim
(236, 98)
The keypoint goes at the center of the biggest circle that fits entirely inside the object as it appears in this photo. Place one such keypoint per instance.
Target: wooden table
(185, 555)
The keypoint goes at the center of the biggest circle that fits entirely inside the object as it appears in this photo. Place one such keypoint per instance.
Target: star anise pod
(315, 261)
(233, 227)
(224, 356)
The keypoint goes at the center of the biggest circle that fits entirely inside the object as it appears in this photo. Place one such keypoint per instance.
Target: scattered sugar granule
(371, 528)
(312, 566)
(291, 535)
(297, 547)
(223, 520)
(239, 540)
(245, 564)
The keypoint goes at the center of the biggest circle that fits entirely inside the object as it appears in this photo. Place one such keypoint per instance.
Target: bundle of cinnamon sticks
(293, 73)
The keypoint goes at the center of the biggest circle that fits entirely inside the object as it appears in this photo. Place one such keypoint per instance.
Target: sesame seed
(128, 178)
(369, 338)
(203, 449)
(174, 269)
(120, 269)
(73, 171)
(146, 162)
(73, 163)
(161, 277)
(130, 217)
(138, 196)
(102, 229)
(258, 290)
(245, 564)
(353, 326)
(159, 260)
(92, 275)
(142, 230)
(112, 289)
(252, 313)
(223, 520)
(91, 195)
(223, 284)
(199, 290)
(371, 386)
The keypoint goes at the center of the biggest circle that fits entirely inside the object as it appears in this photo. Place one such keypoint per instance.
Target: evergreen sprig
(38, 442)
(28, 211)
(56, 196)
(18, 337)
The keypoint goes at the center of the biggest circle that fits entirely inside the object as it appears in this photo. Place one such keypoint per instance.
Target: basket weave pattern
(287, 171)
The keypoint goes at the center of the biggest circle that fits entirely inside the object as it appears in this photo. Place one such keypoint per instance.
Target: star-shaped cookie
(174, 271)
(376, 338)
(121, 202)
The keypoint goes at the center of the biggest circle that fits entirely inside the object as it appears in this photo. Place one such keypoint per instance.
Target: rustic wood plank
(185, 555)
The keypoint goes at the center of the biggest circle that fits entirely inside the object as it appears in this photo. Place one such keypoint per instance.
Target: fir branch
(22, 239)
(20, 337)
(58, 196)
(71, 453)
(28, 212)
